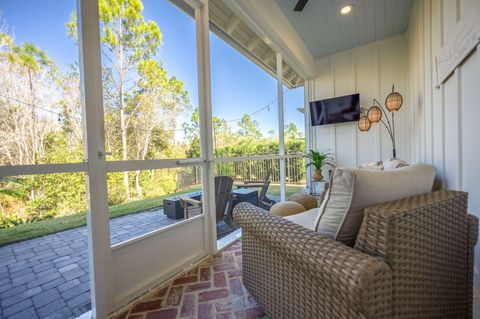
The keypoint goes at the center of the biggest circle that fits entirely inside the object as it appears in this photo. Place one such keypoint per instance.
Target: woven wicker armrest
(308, 274)
(428, 242)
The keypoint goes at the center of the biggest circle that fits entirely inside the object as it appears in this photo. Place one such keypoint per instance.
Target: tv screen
(335, 110)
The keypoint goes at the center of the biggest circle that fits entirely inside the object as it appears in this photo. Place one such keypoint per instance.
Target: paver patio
(47, 277)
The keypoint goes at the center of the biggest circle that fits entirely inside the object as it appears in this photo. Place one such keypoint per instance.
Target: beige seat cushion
(353, 190)
(306, 219)
(308, 201)
(287, 208)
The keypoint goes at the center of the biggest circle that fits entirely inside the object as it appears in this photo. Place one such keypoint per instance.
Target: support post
(308, 132)
(205, 122)
(281, 125)
(99, 251)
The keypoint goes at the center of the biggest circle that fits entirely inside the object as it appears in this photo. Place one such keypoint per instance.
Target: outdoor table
(245, 195)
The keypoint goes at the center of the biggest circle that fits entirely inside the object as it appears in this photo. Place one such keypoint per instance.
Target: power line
(259, 110)
(140, 129)
(80, 118)
(29, 104)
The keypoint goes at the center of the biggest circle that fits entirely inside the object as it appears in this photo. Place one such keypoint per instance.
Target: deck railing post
(281, 124)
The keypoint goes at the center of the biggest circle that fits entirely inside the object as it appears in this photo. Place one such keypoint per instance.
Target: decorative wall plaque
(465, 38)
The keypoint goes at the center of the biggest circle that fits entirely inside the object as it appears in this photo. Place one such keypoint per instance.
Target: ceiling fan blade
(300, 5)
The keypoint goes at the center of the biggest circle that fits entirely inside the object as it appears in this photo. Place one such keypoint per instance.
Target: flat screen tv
(335, 110)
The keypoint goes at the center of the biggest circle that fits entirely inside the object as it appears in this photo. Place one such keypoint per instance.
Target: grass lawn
(54, 225)
(274, 189)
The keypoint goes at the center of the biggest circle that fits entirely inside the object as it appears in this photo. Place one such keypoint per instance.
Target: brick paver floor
(47, 277)
(214, 289)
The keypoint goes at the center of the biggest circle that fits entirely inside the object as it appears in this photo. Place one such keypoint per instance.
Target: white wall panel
(428, 78)
(449, 124)
(438, 138)
(392, 63)
(146, 263)
(452, 112)
(451, 118)
(344, 84)
(324, 88)
(366, 63)
(369, 70)
(470, 144)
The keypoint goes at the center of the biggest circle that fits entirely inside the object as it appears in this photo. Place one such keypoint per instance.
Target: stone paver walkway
(47, 277)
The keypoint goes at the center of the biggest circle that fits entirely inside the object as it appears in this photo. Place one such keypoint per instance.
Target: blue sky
(238, 85)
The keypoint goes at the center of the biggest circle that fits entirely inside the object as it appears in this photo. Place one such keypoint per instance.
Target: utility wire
(259, 110)
(140, 129)
(76, 117)
(29, 104)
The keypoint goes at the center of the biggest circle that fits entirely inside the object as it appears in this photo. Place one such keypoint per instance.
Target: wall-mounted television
(335, 110)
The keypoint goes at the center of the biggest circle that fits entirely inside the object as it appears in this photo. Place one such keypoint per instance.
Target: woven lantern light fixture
(364, 123)
(394, 101)
(375, 113)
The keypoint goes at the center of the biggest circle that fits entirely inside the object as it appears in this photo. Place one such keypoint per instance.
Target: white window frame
(98, 167)
(95, 165)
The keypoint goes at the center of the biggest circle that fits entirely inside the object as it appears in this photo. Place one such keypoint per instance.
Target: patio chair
(263, 201)
(223, 201)
(413, 258)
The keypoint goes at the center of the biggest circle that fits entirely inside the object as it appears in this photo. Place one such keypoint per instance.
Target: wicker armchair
(413, 258)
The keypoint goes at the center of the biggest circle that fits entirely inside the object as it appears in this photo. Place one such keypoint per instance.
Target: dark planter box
(172, 207)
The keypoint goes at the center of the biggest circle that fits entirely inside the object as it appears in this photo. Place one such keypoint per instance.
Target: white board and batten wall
(446, 119)
(449, 116)
(436, 125)
(369, 70)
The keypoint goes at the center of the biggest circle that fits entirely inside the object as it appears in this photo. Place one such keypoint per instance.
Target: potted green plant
(319, 160)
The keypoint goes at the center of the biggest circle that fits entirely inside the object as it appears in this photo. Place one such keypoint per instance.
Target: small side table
(245, 195)
(319, 189)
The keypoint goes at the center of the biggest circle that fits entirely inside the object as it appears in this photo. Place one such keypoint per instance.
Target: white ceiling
(325, 31)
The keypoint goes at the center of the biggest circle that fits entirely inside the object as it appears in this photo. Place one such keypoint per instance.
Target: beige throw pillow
(353, 190)
(286, 208)
(308, 201)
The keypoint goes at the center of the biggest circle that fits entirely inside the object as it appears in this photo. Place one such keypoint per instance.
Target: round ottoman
(287, 208)
(307, 201)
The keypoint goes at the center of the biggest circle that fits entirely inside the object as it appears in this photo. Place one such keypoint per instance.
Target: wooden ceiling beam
(232, 24)
(293, 76)
(252, 43)
(269, 56)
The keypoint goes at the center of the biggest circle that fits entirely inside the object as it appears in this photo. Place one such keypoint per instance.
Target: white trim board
(19, 170)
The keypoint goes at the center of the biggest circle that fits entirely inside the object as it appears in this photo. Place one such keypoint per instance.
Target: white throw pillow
(372, 165)
(394, 163)
(353, 190)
